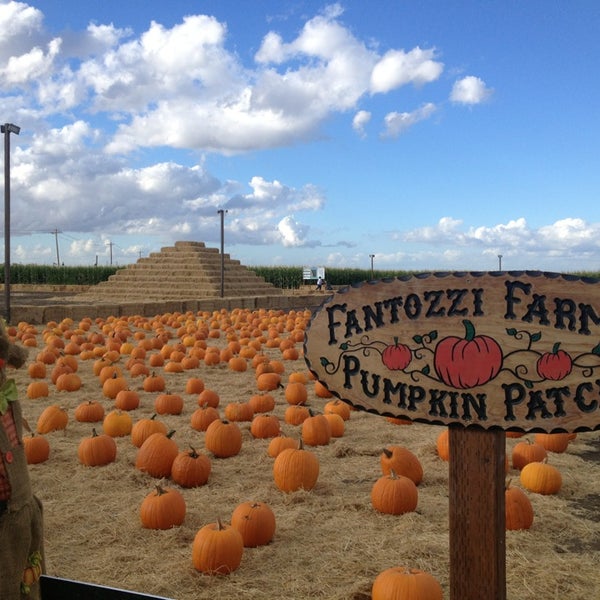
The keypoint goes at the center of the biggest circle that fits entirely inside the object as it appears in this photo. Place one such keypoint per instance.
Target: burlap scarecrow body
(21, 532)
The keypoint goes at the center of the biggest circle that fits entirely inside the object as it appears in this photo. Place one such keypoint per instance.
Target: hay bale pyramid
(186, 271)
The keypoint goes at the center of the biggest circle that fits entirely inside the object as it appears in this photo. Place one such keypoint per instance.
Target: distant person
(21, 539)
(320, 282)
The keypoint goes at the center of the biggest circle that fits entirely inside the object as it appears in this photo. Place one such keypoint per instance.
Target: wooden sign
(516, 350)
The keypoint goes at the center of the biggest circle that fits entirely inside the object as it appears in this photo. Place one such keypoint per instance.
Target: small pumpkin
(113, 385)
(265, 426)
(267, 382)
(394, 494)
(402, 461)
(518, 509)
(223, 438)
(541, 478)
(403, 583)
(525, 452)
(97, 450)
(239, 411)
(117, 423)
(190, 468)
(154, 383)
(127, 399)
(553, 442)
(255, 521)
(52, 418)
(156, 455)
(336, 406)
(91, 411)
(316, 430)
(217, 549)
(37, 449)
(208, 397)
(336, 424)
(203, 416)
(295, 469)
(38, 389)
(168, 404)
(68, 382)
(442, 445)
(144, 428)
(296, 414)
(162, 508)
(262, 403)
(296, 393)
(279, 443)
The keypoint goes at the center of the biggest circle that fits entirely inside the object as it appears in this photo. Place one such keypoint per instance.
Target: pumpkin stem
(469, 330)
(555, 347)
(388, 452)
(160, 490)
(171, 433)
(94, 432)
(193, 453)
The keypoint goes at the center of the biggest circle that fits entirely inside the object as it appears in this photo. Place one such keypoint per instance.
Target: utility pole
(110, 246)
(222, 213)
(56, 232)
(7, 129)
(371, 256)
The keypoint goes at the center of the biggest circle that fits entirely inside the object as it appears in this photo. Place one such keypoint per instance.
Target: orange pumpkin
(97, 450)
(394, 494)
(256, 523)
(52, 418)
(156, 455)
(402, 461)
(162, 508)
(144, 428)
(190, 468)
(295, 469)
(37, 449)
(223, 439)
(117, 423)
(217, 549)
(89, 412)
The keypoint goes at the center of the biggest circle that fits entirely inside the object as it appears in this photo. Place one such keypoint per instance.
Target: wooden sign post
(481, 353)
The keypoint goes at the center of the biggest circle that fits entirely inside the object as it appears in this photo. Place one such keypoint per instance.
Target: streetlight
(7, 129)
(371, 256)
(222, 213)
(499, 262)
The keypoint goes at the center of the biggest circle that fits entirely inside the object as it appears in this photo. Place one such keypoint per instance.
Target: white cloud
(360, 121)
(470, 90)
(561, 246)
(398, 123)
(292, 233)
(397, 68)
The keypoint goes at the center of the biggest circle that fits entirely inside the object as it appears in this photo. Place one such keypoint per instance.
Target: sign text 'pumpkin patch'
(517, 350)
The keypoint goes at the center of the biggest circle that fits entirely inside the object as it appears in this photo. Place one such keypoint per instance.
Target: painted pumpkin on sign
(468, 362)
(396, 357)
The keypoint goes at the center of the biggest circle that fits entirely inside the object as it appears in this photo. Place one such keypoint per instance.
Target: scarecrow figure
(21, 541)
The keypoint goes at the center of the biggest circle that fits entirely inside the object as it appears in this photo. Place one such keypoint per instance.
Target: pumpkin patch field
(191, 456)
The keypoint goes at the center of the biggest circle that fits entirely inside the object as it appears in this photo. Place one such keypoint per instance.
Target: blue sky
(433, 135)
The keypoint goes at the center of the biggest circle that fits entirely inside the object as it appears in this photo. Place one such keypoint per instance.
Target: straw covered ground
(329, 542)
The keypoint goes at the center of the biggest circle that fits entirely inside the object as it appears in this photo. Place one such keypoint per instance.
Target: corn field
(285, 277)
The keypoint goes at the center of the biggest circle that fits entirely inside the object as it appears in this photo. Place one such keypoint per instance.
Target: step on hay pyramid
(187, 271)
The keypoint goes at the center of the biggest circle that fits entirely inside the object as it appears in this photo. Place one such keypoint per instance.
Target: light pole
(7, 129)
(499, 262)
(222, 213)
(371, 256)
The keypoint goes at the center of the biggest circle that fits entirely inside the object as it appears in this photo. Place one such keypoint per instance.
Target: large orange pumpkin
(217, 549)
(255, 521)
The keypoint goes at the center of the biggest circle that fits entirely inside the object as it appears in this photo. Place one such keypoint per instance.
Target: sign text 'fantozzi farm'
(517, 350)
